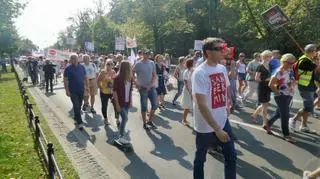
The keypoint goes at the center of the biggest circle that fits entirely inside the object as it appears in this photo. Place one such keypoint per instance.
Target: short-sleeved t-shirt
(252, 67)
(285, 81)
(91, 70)
(211, 81)
(144, 72)
(76, 75)
(274, 64)
(264, 73)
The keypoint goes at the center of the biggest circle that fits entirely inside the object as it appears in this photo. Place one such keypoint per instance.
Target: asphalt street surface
(168, 151)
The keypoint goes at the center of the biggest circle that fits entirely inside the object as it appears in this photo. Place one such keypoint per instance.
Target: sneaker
(84, 107)
(150, 123)
(292, 124)
(80, 127)
(146, 127)
(306, 129)
(93, 111)
(122, 140)
(305, 175)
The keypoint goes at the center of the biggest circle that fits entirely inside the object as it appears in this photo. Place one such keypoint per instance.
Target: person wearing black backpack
(304, 74)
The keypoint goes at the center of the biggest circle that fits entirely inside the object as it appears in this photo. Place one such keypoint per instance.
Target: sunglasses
(109, 64)
(229, 58)
(290, 63)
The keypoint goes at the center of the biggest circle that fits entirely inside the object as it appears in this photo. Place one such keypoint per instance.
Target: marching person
(161, 89)
(241, 69)
(306, 86)
(251, 72)
(91, 71)
(211, 89)
(122, 92)
(49, 70)
(75, 84)
(146, 82)
(178, 74)
(282, 84)
(264, 91)
(106, 85)
(187, 91)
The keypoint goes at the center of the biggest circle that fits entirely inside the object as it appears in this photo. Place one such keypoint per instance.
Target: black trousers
(49, 82)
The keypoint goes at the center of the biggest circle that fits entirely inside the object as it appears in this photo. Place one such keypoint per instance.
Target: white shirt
(91, 70)
(241, 67)
(211, 81)
(127, 91)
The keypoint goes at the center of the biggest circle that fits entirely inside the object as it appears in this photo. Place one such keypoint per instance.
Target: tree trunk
(253, 18)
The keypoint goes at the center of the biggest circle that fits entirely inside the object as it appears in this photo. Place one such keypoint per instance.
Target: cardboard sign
(198, 45)
(131, 43)
(89, 46)
(275, 17)
(120, 43)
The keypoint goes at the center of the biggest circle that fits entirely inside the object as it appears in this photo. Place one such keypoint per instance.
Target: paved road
(168, 151)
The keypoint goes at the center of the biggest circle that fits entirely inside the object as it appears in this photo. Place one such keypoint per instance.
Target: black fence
(45, 146)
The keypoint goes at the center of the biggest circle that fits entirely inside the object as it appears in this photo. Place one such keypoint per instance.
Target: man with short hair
(211, 90)
(91, 73)
(306, 87)
(75, 83)
(145, 82)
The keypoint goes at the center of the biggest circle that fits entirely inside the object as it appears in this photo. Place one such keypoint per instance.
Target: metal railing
(45, 146)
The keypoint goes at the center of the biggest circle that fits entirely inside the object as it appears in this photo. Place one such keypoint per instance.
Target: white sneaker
(304, 129)
(292, 124)
(305, 175)
(122, 140)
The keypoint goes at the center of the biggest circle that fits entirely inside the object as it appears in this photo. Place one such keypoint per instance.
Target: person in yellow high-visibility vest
(306, 86)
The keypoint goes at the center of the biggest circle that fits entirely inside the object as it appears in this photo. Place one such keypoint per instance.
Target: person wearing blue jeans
(211, 90)
(146, 83)
(122, 94)
(75, 83)
(208, 140)
(283, 112)
(282, 84)
(178, 74)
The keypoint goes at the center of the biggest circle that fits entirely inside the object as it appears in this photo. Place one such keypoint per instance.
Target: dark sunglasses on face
(216, 48)
(109, 64)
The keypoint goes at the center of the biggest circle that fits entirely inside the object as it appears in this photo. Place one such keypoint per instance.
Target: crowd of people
(212, 83)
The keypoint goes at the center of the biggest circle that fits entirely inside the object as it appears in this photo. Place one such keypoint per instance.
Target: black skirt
(264, 92)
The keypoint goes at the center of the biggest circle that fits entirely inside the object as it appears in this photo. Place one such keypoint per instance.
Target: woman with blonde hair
(105, 84)
(264, 91)
(282, 83)
(123, 95)
(187, 91)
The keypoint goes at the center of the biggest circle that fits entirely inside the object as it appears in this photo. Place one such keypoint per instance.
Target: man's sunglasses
(109, 64)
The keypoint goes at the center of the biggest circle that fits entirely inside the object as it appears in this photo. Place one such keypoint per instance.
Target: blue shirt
(274, 64)
(76, 75)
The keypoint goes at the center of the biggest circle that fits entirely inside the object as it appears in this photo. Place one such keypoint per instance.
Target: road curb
(85, 157)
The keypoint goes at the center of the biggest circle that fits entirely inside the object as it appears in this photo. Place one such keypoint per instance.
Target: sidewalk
(86, 159)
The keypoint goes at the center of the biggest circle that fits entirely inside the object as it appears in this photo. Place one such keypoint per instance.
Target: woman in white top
(241, 69)
(187, 92)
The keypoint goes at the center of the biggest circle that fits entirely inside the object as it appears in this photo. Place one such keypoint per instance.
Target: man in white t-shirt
(211, 90)
(91, 71)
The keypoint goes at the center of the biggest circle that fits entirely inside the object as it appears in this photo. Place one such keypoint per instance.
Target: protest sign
(198, 45)
(120, 43)
(275, 17)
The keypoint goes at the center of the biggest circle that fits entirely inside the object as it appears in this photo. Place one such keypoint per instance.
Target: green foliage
(173, 25)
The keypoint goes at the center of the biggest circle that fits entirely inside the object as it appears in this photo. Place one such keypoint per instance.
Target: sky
(42, 20)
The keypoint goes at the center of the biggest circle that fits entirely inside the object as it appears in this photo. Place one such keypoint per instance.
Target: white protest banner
(131, 43)
(120, 43)
(198, 45)
(71, 41)
(58, 55)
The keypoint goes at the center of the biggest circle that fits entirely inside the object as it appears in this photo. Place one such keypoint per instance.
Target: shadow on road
(137, 168)
(248, 142)
(164, 148)
(93, 121)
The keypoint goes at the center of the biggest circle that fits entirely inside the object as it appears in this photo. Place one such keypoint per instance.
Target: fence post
(30, 112)
(26, 97)
(37, 122)
(50, 152)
